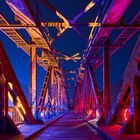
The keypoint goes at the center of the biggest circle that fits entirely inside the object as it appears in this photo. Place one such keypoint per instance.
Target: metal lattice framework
(88, 100)
(99, 50)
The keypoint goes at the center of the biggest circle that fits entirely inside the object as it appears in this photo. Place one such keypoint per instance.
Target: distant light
(97, 113)
(126, 114)
(42, 114)
(94, 24)
(89, 112)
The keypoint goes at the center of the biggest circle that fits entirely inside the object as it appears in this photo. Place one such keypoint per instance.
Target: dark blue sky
(69, 42)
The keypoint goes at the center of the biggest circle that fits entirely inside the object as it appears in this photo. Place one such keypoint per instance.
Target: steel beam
(6, 124)
(95, 90)
(111, 18)
(63, 24)
(33, 60)
(2, 97)
(106, 82)
(44, 98)
(137, 104)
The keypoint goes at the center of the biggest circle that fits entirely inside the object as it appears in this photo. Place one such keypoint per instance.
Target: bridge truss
(88, 100)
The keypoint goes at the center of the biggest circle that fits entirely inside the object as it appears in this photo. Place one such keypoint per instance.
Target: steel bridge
(69, 103)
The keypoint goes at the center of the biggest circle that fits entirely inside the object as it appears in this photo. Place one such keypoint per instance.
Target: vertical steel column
(137, 104)
(57, 97)
(58, 92)
(33, 60)
(95, 90)
(89, 93)
(6, 99)
(2, 104)
(52, 87)
(77, 96)
(106, 81)
(61, 95)
(86, 93)
(82, 96)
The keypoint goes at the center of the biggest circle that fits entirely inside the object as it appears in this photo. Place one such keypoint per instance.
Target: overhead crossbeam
(70, 24)
(20, 42)
(124, 36)
(62, 25)
(110, 18)
(61, 16)
(99, 41)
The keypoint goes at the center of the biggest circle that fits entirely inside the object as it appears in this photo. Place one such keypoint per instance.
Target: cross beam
(62, 24)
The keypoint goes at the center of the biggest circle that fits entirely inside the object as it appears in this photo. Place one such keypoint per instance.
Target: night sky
(69, 43)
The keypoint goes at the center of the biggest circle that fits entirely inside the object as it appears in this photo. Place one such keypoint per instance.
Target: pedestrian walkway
(29, 130)
(69, 127)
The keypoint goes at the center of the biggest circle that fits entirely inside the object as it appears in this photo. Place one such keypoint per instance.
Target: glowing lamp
(42, 114)
(97, 113)
(126, 114)
(89, 112)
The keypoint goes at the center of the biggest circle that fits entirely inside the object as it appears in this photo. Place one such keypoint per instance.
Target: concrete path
(69, 127)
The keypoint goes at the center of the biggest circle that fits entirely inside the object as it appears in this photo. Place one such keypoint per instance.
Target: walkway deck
(69, 127)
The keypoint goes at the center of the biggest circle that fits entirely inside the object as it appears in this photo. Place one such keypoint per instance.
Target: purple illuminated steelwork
(20, 5)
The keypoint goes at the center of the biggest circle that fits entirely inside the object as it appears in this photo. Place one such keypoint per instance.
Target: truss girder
(16, 91)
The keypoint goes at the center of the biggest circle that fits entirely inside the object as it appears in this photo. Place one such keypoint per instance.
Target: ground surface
(69, 127)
